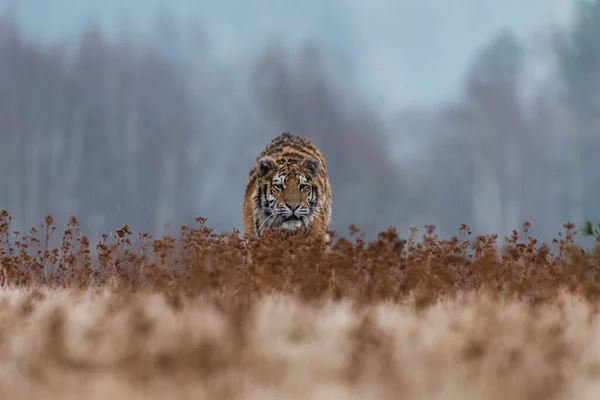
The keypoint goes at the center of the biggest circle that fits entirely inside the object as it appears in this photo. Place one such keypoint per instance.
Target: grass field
(210, 316)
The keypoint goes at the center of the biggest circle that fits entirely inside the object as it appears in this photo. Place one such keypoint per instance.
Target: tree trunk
(575, 184)
(512, 191)
(487, 203)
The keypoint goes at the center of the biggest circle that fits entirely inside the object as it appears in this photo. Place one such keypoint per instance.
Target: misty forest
(152, 132)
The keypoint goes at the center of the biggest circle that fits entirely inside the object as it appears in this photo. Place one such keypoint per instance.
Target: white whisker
(265, 221)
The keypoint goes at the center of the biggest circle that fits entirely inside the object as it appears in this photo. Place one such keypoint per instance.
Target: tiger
(288, 188)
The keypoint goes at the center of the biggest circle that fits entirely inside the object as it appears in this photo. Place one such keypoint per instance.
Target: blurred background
(150, 113)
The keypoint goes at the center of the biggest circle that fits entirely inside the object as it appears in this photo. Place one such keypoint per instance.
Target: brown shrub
(201, 262)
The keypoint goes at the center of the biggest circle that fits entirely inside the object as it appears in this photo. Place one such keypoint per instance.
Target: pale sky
(401, 51)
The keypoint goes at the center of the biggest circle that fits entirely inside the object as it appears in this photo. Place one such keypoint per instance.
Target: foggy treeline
(155, 132)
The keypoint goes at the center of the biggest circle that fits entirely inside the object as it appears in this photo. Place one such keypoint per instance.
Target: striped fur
(288, 188)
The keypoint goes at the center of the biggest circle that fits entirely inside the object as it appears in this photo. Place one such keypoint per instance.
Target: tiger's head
(287, 192)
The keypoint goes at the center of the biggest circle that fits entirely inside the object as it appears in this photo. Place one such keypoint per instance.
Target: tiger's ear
(312, 164)
(264, 165)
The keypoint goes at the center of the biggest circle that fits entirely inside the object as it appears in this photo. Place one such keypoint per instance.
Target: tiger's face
(287, 192)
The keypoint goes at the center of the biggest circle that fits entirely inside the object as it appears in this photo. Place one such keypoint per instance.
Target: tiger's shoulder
(289, 148)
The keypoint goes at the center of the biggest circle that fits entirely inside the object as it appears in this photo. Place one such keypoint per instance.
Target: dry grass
(211, 316)
(90, 344)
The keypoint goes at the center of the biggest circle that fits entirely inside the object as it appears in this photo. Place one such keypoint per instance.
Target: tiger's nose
(293, 206)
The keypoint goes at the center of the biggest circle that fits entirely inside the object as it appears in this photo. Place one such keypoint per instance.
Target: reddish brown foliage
(201, 262)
